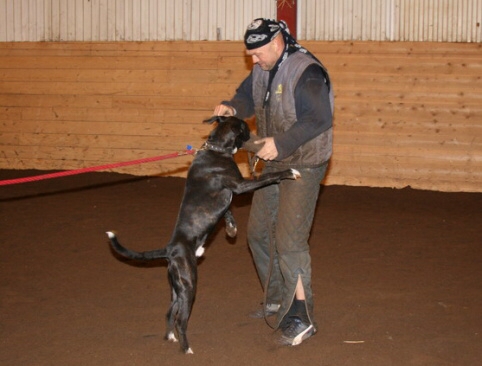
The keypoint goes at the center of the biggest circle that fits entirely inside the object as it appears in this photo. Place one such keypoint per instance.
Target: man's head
(264, 42)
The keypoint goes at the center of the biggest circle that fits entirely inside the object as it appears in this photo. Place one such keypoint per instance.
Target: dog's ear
(241, 131)
(244, 131)
(219, 119)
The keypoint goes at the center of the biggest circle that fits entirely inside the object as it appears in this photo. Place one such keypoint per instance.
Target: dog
(212, 179)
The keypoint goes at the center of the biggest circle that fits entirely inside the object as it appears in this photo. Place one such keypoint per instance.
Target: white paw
(171, 337)
(110, 234)
(200, 251)
(231, 230)
(189, 351)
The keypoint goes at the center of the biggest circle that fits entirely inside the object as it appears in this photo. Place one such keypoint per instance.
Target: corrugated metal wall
(129, 20)
(160, 20)
(391, 20)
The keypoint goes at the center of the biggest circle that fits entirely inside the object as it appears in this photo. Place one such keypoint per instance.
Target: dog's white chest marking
(200, 251)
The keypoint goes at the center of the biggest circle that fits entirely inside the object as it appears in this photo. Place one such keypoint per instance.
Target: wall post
(287, 12)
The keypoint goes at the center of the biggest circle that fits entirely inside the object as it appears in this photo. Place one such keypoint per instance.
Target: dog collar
(225, 150)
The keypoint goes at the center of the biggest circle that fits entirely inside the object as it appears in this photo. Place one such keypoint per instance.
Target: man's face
(265, 56)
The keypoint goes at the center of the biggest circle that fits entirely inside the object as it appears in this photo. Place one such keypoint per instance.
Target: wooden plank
(168, 130)
(391, 156)
(99, 156)
(408, 96)
(191, 103)
(130, 142)
(367, 48)
(19, 52)
(436, 183)
(10, 114)
(348, 78)
(177, 168)
(217, 76)
(414, 141)
(185, 90)
(131, 115)
(449, 82)
(401, 65)
(55, 100)
(379, 115)
(128, 48)
(113, 62)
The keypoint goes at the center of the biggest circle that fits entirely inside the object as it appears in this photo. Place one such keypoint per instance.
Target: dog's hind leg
(231, 228)
(185, 307)
(171, 318)
(183, 278)
(176, 320)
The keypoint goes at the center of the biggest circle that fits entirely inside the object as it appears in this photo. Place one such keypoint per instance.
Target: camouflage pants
(279, 227)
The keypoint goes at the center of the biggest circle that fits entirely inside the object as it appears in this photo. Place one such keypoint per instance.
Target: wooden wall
(407, 114)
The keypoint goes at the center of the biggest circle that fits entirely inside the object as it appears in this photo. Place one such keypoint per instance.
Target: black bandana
(262, 31)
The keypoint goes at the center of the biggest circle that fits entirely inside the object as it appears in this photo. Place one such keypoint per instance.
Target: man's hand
(269, 150)
(223, 110)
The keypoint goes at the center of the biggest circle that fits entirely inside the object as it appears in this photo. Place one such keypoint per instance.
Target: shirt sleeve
(313, 112)
(242, 100)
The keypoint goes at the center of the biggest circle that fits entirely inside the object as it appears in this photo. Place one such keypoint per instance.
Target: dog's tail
(131, 254)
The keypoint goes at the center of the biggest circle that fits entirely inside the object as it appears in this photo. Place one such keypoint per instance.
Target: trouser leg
(261, 231)
(297, 204)
(282, 216)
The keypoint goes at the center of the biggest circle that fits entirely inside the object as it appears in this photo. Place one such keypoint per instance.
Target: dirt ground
(397, 278)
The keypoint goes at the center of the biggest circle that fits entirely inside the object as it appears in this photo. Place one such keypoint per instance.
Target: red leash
(188, 151)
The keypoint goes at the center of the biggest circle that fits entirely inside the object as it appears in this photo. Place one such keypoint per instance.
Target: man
(289, 92)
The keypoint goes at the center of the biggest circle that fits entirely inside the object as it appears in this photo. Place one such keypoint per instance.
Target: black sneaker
(267, 311)
(295, 331)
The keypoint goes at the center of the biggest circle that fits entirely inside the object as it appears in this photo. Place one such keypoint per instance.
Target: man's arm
(313, 112)
(242, 101)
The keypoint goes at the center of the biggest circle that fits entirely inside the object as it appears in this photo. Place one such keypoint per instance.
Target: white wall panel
(390, 20)
(129, 20)
(159, 20)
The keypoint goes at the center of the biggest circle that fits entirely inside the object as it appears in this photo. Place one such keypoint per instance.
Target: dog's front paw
(296, 174)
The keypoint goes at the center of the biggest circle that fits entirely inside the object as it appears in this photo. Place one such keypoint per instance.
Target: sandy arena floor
(397, 278)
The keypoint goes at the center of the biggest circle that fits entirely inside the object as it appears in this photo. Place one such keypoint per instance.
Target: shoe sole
(308, 332)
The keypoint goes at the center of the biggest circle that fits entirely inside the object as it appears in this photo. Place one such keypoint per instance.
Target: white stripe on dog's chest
(199, 251)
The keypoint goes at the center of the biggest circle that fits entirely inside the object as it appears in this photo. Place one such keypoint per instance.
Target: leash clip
(253, 160)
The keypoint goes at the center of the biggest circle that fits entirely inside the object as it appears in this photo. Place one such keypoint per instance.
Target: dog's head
(230, 133)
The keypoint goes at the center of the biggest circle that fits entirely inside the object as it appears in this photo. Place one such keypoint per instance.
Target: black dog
(211, 181)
